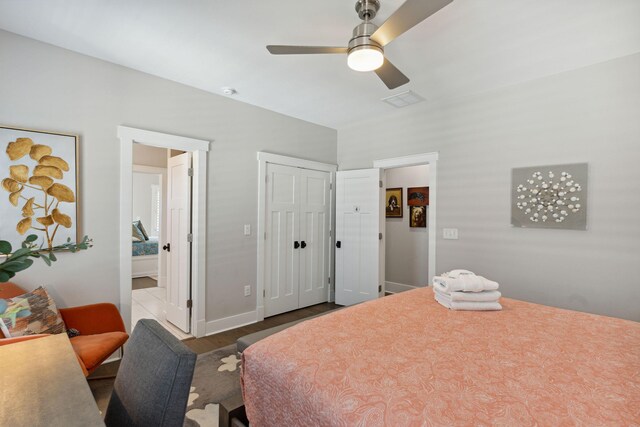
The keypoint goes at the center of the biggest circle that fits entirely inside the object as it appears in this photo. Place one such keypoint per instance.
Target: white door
(359, 250)
(179, 228)
(282, 241)
(315, 205)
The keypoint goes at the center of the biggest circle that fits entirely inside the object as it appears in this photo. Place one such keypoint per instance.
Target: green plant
(21, 259)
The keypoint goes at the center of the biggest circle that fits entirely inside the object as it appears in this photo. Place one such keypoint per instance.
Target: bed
(404, 360)
(145, 258)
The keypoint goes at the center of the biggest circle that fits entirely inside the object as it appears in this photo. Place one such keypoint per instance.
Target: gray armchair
(153, 382)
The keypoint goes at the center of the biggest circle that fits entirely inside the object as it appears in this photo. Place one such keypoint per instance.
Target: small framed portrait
(418, 216)
(394, 203)
(418, 196)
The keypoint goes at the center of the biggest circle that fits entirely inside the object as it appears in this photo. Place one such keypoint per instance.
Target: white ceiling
(468, 47)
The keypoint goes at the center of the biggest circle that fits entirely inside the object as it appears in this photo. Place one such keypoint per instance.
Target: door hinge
(190, 171)
(379, 236)
(330, 186)
(379, 288)
(380, 182)
(330, 233)
(266, 179)
(329, 280)
(265, 235)
(264, 293)
(189, 303)
(190, 238)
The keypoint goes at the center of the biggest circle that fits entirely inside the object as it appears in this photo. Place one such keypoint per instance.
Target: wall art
(418, 216)
(394, 203)
(38, 173)
(418, 196)
(550, 196)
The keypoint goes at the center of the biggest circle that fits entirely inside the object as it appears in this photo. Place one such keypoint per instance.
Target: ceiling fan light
(365, 58)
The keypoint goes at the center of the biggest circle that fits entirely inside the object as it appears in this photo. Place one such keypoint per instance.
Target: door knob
(338, 244)
(167, 247)
(303, 244)
(296, 245)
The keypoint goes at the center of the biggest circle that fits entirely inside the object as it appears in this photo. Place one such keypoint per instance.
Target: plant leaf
(31, 238)
(52, 257)
(5, 247)
(5, 276)
(46, 260)
(16, 266)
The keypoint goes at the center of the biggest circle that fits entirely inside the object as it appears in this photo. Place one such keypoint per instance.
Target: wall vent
(403, 99)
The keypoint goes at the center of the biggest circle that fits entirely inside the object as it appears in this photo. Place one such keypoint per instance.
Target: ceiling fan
(365, 51)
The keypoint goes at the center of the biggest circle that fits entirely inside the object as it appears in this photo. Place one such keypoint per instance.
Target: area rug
(216, 380)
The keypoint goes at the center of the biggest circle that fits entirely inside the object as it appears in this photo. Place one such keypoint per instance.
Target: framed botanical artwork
(418, 216)
(553, 196)
(39, 180)
(394, 203)
(418, 196)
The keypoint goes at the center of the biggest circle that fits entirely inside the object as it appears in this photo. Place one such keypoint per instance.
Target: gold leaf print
(24, 225)
(45, 220)
(51, 171)
(19, 148)
(14, 197)
(61, 192)
(54, 161)
(60, 218)
(38, 151)
(11, 185)
(27, 209)
(42, 181)
(19, 172)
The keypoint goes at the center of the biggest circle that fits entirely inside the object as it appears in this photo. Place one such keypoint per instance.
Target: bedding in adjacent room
(404, 360)
(146, 247)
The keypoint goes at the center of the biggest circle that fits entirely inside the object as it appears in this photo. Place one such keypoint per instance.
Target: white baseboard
(393, 287)
(231, 322)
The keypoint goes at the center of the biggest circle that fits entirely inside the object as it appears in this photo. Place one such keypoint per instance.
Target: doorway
(189, 296)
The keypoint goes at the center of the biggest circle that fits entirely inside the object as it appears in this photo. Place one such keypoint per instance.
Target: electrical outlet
(450, 233)
(247, 291)
(247, 229)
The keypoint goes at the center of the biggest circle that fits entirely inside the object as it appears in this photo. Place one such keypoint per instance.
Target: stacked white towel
(464, 290)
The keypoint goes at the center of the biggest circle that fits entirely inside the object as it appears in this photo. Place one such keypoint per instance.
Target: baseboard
(231, 322)
(139, 274)
(393, 287)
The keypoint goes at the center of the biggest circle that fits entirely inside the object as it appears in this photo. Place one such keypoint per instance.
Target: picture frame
(418, 216)
(393, 203)
(38, 186)
(418, 196)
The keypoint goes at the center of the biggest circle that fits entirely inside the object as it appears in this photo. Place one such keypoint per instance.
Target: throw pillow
(140, 227)
(29, 314)
(136, 234)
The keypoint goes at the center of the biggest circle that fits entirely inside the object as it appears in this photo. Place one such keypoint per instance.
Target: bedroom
(514, 86)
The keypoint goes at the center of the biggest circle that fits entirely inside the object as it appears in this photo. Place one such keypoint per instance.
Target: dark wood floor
(101, 381)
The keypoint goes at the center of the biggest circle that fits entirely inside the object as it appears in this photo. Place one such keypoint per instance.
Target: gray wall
(586, 115)
(45, 87)
(406, 248)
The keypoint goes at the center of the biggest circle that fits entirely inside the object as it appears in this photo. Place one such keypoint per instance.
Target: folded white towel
(490, 296)
(454, 274)
(466, 283)
(468, 305)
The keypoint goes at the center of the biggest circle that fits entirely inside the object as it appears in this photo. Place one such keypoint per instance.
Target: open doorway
(175, 210)
(406, 228)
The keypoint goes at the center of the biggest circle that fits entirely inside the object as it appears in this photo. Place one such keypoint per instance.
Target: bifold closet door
(282, 259)
(315, 205)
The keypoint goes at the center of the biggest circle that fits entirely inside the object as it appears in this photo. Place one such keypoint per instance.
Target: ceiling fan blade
(391, 76)
(411, 13)
(301, 50)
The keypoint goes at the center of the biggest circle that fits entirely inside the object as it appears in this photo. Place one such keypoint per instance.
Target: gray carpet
(143, 283)
(216, 381)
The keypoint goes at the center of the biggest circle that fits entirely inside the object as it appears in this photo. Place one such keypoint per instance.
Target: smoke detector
(229, 91)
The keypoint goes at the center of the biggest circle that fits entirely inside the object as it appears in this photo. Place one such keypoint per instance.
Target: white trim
(413, 160)
(263, 159)
(393, 287)
(231, 322)
(128, 136)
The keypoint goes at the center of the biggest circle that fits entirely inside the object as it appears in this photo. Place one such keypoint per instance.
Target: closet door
(315, 207)
(282, 241)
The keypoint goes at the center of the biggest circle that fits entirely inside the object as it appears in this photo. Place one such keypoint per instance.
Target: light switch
(247, 229)
(450, 233)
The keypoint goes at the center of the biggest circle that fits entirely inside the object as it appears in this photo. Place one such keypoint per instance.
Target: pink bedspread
(404, 360)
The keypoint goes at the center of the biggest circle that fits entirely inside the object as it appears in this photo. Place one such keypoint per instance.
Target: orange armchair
(101, 328)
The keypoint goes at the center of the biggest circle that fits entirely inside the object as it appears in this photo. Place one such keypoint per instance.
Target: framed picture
(39, 195)
(550, 196)
(418, 216)
(418, 196)
(394, 203)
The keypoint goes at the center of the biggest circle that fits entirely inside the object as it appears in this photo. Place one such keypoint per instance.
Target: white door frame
(430, 159)
(128, 136)
(263, 159)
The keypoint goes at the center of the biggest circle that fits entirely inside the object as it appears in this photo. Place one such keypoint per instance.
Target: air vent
(403, 99)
